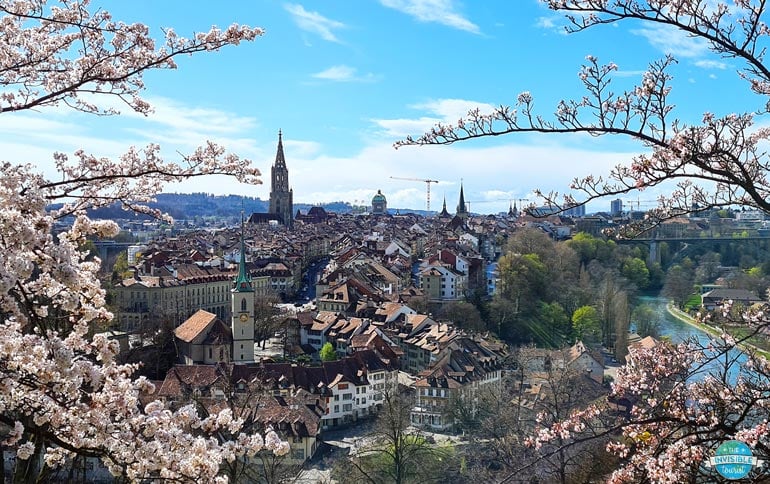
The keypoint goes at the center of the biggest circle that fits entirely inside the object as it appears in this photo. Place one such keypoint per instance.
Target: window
(336, 398)
(342, 386)
(348, 407)
(336, 408)
(243, 304)
(347, 396)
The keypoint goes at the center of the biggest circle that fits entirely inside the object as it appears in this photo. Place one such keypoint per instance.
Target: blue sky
(343, 80)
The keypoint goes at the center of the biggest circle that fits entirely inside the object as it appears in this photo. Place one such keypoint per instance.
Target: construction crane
(424, 180)
(638, 203)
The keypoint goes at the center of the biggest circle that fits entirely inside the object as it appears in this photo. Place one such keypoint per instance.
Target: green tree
(586, 324)
(327, 352)
(590, 248)
(636, 271)
(120, 270)
(522, 280)
(551, 325)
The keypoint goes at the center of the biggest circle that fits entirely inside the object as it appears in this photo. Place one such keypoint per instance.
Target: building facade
(379, 204)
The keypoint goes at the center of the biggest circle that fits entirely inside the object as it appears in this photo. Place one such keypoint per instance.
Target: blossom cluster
(59, 385)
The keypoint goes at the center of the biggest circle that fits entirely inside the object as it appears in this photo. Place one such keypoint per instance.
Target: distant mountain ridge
(183, 206)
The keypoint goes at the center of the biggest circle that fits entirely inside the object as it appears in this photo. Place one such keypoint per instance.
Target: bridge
(107, 249)
(654, 254)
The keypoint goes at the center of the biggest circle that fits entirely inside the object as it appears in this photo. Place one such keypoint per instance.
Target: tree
(635, 270)
(120, 268)
(587, 325)
(266, 320)
(64, 396)
(612, 305)
(689, 398)
(678, 284)
(646, 321)
(551, 326)
(533, 393)
(463, 314)
(327, 352)
(398, 453)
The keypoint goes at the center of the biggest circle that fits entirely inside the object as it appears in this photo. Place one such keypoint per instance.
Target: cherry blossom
(62, 392)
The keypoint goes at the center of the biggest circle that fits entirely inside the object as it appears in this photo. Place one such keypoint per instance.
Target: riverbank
(710, 330)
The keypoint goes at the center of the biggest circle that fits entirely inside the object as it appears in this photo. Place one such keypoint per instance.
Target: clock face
(244, 317)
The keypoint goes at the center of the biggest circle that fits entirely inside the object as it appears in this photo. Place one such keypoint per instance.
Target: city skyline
(343, 85)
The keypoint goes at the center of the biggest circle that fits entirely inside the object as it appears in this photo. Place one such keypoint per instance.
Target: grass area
(759, 341)
(693, 302)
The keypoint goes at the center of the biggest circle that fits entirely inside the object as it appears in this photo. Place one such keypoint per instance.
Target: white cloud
(671, 41)
(555, 23)
(622, 73)
(337, 73)
(433, 11)
(546, 22)
(445, 111)
(34, 137)
(196, 119)
(711, 64)
(343, 73)
(495, 175)
(314, 22)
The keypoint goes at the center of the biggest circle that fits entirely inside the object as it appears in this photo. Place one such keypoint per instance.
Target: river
(679, 331)
(670, 326)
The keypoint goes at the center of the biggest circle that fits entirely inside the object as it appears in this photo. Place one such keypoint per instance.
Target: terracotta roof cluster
(266, 377)
(464, 361)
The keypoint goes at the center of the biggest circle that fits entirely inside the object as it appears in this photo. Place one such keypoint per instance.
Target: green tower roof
(243, 281)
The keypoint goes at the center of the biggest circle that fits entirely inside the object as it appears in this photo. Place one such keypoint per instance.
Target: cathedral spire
(281, 196)
(243, 281)
(280, 160)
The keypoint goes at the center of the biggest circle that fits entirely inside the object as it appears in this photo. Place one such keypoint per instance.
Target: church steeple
(461, 207)
(242, 305)
(243, 280)
(444, 212)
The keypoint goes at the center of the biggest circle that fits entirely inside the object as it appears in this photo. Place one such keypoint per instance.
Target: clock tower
(242, 296)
